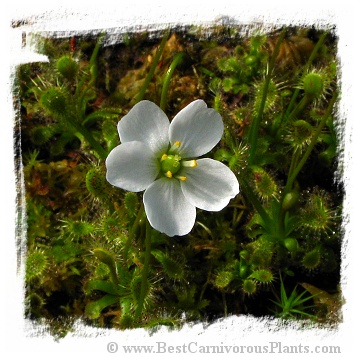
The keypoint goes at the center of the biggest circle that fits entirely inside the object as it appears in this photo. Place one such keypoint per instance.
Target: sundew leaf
(102, 285)
(93, 309)
(101, 114)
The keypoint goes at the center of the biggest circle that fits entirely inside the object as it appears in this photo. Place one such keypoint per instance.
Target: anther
(189, 163)
(174, 147)
(168, 174)
(163, 157)
(181, 178)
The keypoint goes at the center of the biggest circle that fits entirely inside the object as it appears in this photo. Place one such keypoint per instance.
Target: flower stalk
(133, 231)
(145, 271)
(107, 258)
(253, 136)
(88, 137)
(309, 62)
(178, 59)
(150, 74)
(295, 167)
(255, 202)
(292, 176)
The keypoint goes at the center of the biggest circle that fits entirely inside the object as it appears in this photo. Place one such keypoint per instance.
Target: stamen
(189, 163)
(163, 157)
(174, 147)
(181, 178)
(168, 174)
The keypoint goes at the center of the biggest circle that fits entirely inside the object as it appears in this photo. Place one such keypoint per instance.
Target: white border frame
(18, 335)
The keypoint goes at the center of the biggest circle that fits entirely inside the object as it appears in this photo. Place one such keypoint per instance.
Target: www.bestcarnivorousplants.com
(195, 348)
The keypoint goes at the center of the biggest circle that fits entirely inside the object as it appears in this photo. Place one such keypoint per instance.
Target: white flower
(159, 157)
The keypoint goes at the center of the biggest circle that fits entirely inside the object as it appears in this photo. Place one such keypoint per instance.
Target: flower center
(171, 163)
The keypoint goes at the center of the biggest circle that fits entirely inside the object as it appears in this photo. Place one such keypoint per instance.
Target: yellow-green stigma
(170, 165)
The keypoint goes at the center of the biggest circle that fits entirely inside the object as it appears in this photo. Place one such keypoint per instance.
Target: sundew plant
(181, 176)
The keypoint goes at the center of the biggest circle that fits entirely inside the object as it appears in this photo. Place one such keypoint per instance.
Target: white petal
(147, 123)
(198, 128)
(210, 185)
(167, 209)
(131, 166)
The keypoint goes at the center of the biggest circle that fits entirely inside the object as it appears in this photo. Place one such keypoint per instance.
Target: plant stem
(255, 202)
(106, 258)
(88, 137)
(225, 308)
(132, 232)
(253, 135)
(294, 168)
(292, 176)
(300, 106)
(145, 271)
(294, 160)
(178, 59)
(152, 68)
(114, 276)
(307, 65)
(281, 213)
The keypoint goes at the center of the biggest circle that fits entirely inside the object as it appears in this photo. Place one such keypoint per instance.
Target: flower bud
(243, 270)
(290, 200)
(291, 244)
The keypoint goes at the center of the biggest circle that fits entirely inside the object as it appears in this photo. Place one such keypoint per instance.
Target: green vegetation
(86, 241)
